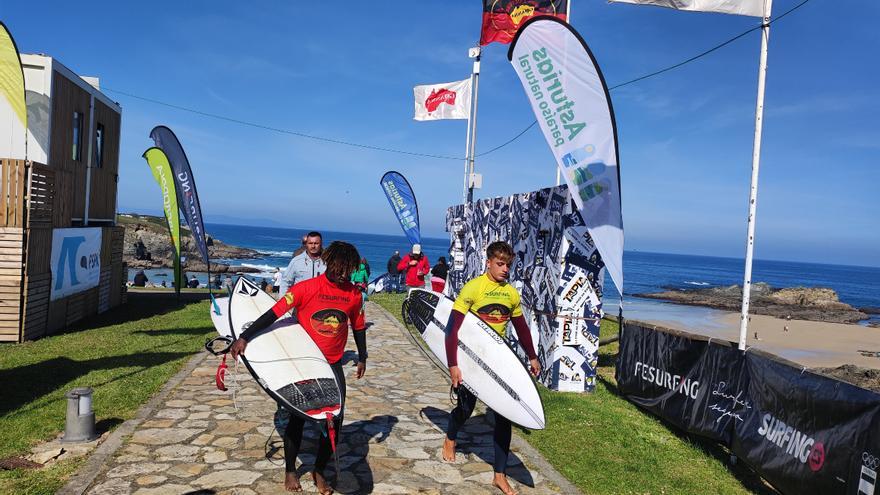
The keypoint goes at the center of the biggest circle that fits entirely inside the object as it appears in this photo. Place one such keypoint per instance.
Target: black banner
(804, 433)
(691, 383)
(807, 433)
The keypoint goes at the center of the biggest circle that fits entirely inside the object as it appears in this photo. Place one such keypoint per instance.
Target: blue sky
(345, 70)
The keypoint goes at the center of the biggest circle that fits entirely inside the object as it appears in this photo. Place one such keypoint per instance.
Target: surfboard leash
(331, 433)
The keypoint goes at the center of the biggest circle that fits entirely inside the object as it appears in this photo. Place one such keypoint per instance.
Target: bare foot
(501, 483)
(448, 450)
(291, 482)
(321, 484)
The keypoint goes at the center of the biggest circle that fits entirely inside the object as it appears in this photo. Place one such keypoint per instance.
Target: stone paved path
(200, 440)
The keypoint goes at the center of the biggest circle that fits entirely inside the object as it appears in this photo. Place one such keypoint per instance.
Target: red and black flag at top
(502, 18)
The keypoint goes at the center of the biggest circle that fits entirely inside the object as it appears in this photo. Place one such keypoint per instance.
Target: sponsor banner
(534, 224)
(450, 100)
(403, 201)
(571, 369)
(741, 7)
(576, 291)
(697, 386)
(76, 261)
(808, 433)
(13, 111)
(502, 18)
(187, 196)
(802, 432)
(568, 95)
(161, 168)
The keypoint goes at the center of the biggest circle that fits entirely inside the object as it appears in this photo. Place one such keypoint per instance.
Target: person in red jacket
(416, 266)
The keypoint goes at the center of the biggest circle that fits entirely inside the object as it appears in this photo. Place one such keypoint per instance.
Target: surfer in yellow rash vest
(496, 302)
(327, 306)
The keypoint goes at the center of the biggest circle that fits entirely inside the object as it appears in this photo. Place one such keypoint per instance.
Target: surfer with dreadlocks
(326, 307)
(496, 302)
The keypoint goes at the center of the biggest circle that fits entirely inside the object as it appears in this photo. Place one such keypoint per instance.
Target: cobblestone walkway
(200, 440)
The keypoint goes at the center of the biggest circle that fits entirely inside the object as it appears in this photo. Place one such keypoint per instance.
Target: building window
(76, 153)
(99, 146)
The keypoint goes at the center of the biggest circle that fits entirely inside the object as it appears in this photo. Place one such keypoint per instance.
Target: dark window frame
(100, 139)
(77, 132)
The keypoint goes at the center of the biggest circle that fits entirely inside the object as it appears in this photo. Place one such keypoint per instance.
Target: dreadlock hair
(341, 259)
(501, 250)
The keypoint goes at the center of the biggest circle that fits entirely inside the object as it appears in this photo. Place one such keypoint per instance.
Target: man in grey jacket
(305, 265)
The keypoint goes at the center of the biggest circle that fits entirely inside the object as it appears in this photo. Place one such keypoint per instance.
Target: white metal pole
(568, 20)
(753, 192)
(467, 147)
(473, 139)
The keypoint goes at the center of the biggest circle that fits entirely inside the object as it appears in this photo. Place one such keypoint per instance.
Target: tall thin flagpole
(756, 163)
(475, 87)
(568, 20)
(467, 146)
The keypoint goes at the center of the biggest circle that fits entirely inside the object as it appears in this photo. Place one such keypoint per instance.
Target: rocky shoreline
(800, 303)
(152, 232)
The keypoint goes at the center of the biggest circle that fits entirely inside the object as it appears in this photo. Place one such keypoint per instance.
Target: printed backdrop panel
(557, 270)
(76, 261)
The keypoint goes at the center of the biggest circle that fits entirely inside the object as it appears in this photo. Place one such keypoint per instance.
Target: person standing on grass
(438, 275)
(394, 273)
(415, 266)
(333, 292)
(496, 302)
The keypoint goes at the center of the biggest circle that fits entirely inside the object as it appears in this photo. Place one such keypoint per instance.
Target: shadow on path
(475, 437)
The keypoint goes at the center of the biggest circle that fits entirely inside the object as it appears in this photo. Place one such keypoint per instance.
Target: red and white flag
(443, 101)
(754, 8)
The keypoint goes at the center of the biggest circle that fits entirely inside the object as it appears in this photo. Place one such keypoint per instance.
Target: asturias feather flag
(571, 101)
(403, 201)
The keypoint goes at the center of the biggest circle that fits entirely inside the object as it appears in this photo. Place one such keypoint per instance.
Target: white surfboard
(283, 359)
(489, 368)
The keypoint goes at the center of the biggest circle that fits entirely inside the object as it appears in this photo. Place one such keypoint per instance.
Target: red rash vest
(326, 311)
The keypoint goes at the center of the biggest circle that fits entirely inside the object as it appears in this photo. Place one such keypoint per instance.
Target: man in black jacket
(394, 273)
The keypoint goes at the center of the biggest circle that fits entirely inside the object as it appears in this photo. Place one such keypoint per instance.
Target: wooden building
(64, 186)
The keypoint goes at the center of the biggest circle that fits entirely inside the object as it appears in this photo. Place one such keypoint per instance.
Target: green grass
(125, 355)
(606, 445)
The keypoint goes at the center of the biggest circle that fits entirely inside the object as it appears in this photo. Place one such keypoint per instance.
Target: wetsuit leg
(501, 442)
(466, 403)
(325, 450)
(292, 440)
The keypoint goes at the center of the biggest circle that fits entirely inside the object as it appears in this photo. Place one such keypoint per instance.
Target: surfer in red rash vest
(326, 307)
(495, 302)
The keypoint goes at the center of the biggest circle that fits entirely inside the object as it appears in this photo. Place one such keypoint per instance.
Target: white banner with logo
(76, 261)
(569, 97)
(443, 101)
(740, 7)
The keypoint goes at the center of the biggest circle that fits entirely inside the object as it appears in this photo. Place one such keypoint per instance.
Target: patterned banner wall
(557, 270)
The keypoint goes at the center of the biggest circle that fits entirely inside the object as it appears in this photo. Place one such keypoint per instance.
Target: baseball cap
(417, 249)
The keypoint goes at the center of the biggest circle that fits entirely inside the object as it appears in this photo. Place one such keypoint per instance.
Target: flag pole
(756, 162)
(467, 147)
(472, 137)
(568, 20)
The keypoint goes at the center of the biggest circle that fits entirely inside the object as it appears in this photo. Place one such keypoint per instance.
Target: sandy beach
(810, 343)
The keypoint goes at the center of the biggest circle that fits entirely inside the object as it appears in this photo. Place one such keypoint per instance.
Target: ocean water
(643, 271)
